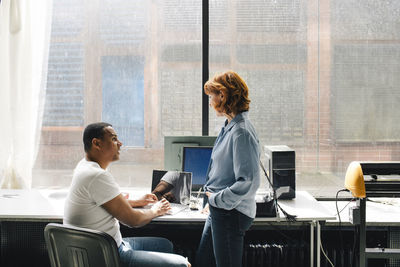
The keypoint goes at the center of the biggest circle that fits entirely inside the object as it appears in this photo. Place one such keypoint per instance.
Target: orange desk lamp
(354, 180)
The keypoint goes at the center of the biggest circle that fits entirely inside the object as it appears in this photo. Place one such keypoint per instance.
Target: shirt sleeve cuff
(211, 200)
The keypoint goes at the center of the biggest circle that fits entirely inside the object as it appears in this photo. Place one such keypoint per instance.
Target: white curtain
(24, 44)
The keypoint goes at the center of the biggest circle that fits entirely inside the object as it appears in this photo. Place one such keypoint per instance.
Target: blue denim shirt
(233, 175)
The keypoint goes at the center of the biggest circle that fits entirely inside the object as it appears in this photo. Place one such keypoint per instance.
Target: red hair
(232, 86)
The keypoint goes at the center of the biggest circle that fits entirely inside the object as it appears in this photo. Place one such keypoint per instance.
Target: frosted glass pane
(323, 79)
(134, 64)
(123, 97)
(265, 42)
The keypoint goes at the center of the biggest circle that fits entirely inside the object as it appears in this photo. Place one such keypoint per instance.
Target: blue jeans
(149, 251)
(221, 243)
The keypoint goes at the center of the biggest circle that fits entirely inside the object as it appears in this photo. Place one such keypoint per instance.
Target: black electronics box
(265, 206)
(281, 169)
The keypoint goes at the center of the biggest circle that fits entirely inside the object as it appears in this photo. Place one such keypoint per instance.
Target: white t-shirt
(91, 187)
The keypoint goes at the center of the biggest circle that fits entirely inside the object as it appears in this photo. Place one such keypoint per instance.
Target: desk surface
(26, 205)
(48, 205)
(306, 207)
(384, 212)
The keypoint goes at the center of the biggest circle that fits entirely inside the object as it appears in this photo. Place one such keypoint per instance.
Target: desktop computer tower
(280, 167)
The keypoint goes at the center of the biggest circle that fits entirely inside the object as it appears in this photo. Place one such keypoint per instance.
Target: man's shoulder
(170, 176)
(88, 170)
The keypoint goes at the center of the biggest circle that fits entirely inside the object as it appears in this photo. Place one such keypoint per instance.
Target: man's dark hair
(94, 130)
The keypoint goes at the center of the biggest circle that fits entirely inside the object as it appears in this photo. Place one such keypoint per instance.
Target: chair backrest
(70, 246)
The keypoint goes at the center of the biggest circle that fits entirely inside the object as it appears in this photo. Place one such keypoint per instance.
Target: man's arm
(170, 197)
(120, 208)
(162, 188)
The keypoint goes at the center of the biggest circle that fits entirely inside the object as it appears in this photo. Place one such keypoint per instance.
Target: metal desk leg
(315, 229)
(312, 243)
(363, 241)
(318, 244)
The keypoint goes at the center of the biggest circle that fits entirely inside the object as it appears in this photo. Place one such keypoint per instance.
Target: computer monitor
(196, 160)
(173, 149)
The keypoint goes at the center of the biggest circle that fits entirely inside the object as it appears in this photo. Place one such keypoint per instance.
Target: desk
(47, 206)
(27, 205)
(305, 207)
(382, 223)
(377, 213)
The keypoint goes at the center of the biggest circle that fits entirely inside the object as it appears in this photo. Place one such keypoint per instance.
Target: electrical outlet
(354, 214)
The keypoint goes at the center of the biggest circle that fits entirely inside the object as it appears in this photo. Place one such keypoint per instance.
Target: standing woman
(233, 175)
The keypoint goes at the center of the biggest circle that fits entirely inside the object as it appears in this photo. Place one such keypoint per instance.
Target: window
(323, 79)
(123, 98)
(136, 65)
(267, 45)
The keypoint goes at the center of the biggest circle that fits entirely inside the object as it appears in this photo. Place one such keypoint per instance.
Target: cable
(384, 202)
(323, 252)
(289, 217)
(336, 202)
(346, 205)
(338, 214)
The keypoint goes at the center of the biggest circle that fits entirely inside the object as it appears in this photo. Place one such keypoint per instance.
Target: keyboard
(176, 208)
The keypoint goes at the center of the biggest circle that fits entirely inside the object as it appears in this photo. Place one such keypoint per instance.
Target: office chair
(70, 246)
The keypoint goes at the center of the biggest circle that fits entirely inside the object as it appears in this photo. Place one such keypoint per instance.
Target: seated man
(95, 202)
(174, 186)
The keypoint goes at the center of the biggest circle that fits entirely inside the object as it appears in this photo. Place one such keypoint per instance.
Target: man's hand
(162, 188)
(170, 197)
(143, 201)
(121, 208)
(161, 207)
(148, 199)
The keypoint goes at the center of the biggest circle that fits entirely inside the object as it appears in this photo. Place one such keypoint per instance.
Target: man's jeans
(148, 251)
(223, 236)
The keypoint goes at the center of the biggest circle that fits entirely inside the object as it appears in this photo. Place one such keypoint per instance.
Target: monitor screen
(196, 160)
(173, 149)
